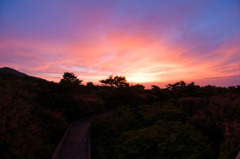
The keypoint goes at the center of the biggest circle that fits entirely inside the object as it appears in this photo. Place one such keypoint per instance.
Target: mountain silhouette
(13, 72)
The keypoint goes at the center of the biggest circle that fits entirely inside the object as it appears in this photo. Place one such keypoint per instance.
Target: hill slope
(12, 72)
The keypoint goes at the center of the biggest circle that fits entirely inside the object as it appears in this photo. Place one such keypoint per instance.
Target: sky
(147, 41)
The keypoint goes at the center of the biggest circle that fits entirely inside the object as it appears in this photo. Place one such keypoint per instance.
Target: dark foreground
(75, 144)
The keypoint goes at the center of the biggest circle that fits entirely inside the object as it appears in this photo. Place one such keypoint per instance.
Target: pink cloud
(141, 58)
(143, 44)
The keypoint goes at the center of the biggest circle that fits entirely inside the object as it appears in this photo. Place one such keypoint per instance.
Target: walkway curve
(75, 144)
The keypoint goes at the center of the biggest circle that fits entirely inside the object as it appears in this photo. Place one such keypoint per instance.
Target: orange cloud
(141, 57)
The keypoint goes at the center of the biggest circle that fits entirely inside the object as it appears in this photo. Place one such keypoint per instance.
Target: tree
(177, 89)
(90, 84)
(70, 78)
(116, 81)
(163, 140)
(155, 88)
(176, 86)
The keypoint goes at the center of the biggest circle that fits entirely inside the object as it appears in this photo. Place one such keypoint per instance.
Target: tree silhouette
(116, 81)
(90, 84)
(154, 87)
(70, 78)
(176, 85)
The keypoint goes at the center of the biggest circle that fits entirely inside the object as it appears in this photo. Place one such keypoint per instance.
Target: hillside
(11, 71)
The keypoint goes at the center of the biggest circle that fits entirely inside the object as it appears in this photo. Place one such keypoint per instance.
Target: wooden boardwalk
(75, 143)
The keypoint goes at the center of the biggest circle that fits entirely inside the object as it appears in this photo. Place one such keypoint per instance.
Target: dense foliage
(35, 113)
(184, 121)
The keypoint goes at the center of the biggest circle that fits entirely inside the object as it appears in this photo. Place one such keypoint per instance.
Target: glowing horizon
(145, 41)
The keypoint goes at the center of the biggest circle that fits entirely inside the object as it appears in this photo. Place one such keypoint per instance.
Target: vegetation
(117, 81)
(179, 121)
(35, 113)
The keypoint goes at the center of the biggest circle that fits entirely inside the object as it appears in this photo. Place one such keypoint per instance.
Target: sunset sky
(148, 41)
